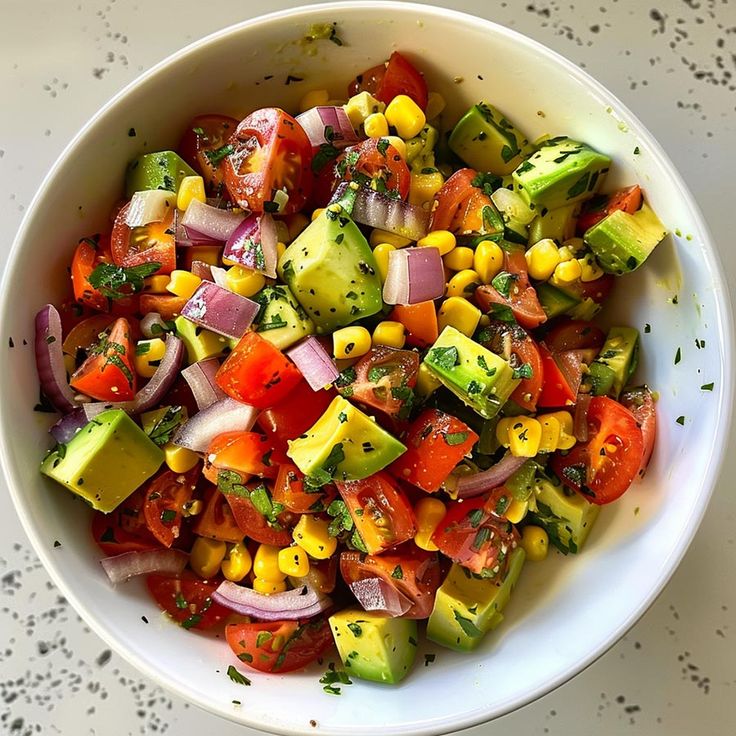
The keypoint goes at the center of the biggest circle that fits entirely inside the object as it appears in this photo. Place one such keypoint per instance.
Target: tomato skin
(188, 600)
(289, 491)
(109, 375)
(169, 306)
(284, 645)
(451, 200)
(473, 536)
(640, 402)
(522, 298)
(602, 205)
(165, 497)
(124, 529)
(396, 77)
(380, 510)
(257, 373)
(556, 391)
(420, 574)
(216, 520)
(86, 258)
(420, 323)
(247, 453)
(152, 243)
(601, 474)
(193, 147)
(429, 458)
(574, 334)
(271, 151)
(86, 333)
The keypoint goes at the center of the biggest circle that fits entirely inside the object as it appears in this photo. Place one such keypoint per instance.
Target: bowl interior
(564, 612)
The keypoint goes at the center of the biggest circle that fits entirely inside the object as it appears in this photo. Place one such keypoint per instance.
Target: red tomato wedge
(89, 254)
(602, 205)
(556, 388)
(420, 323)
(396, 77)
(640, 402)
(152, 243)
(188, 600)
(603, 468)
(216, 520)
(289, 491)
(247, 453)
(124, 529)
(165, 497)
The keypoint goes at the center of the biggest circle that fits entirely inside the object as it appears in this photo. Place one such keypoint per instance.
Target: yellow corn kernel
(542, 259)
(443, 240)
(398, 144)
(207, 556)
(435, 105)
(488, 260)
(589, 268)
(516, 511)
(179, 459)
(429, 513)
(280, 250)
(183, 283)
(460, 259)
(423, 187)
(567, 273)
(383, 236)
(406, 116)
(266, 563)
(485, 320)
(360, 106)
(296, 223)
(317, 213)
(314, 98)
(294, 561)
(567, 438)
(551, 432)
(376, 125)
(460, 314)
(565, 253)
(192, 508)
(380, 253)
(70, 364)
(244, 281)
(535, 542)
(463, 283)
(392, 334)
(312, 535)
(268, 587)
(427, 382)
(237, 563)
(148, 354)
(156, 284)
(521, 435)
(351, 342)
(191, 187)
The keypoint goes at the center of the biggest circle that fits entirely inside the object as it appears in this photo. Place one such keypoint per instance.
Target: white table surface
(674, 64)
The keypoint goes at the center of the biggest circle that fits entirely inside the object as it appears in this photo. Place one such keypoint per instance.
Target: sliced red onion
(327, 124)
(473, 485)
(225, 415)
(212, 222)
(315, 363)
(253, 244)
(152, 205)
(148, 322)
(203, 270)
(50, 360)
(201, 379)
(65, 429)
(414, 275)
(580, 421)
(377, 209)
(375, 594)
(123, 567)
(291, 605)
(219, 276)
(220, 310)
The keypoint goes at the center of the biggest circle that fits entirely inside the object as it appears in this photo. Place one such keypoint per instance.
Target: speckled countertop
(673, 62)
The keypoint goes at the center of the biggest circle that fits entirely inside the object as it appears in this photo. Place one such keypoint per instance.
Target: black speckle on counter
(104, 658)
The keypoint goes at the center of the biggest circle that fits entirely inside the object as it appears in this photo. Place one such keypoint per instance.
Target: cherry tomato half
(188, 600)
(396, 77)
(152, 243)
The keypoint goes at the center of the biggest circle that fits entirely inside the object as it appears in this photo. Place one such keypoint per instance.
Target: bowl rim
(723, 316)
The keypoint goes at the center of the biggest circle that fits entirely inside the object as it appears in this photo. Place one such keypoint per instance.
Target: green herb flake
(455, 438)
(502, 313)
(444, 357)
(263, 638)
(180, 601)
(680, 420)
(429, 659)
(398, 573)
(467, 626)
(110, 280)
(218, 154)
(236, 676)
(523, 371)
(142, 348)
(484, 364)
(707, 387)
(502, 282)
(678, 356)
(163, 430)
(355, 629)
(168, 516)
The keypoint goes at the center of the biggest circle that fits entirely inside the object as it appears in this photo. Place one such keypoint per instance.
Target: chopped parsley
(163, 430)
(218, 154)
(678, 356)
(236, 676)
(446, 358)
(110, 280)
(398, 573)
(523, 371)
(467, 626)
(707, 387)
(455, 438)
(356, 629)
(341, 519)
(502, 282)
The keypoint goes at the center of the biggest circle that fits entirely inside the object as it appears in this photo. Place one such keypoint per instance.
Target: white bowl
(565, 612)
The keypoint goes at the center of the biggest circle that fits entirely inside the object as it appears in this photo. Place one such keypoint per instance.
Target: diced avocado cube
(282, 320)
(622, 242)
(561, 172)
(160, 170)
(585, 310)
(331, 271)
(373, 646)
(485, 140)
(481, 379)
(344, 444)
(105, 461)
(565, 515)
(557, 224)
(615, 363)
(554, 301)
(200, 343)
(467, 606)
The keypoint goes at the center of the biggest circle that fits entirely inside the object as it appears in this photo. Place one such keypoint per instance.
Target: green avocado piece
(565, 515)
(467, 606)
(105, 461)
(554, 301)
(200, 343)
(557, 224)
(622, 242)
(344, 444)
(480, 378)
(585, 310)
(485, 140)
(615, 363)
(161, 170)
(560, 173)
(331, 271)
(420, 149)
(373, 646)
(281, 321)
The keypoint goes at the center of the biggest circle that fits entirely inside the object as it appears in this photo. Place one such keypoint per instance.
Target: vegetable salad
(334, 373)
